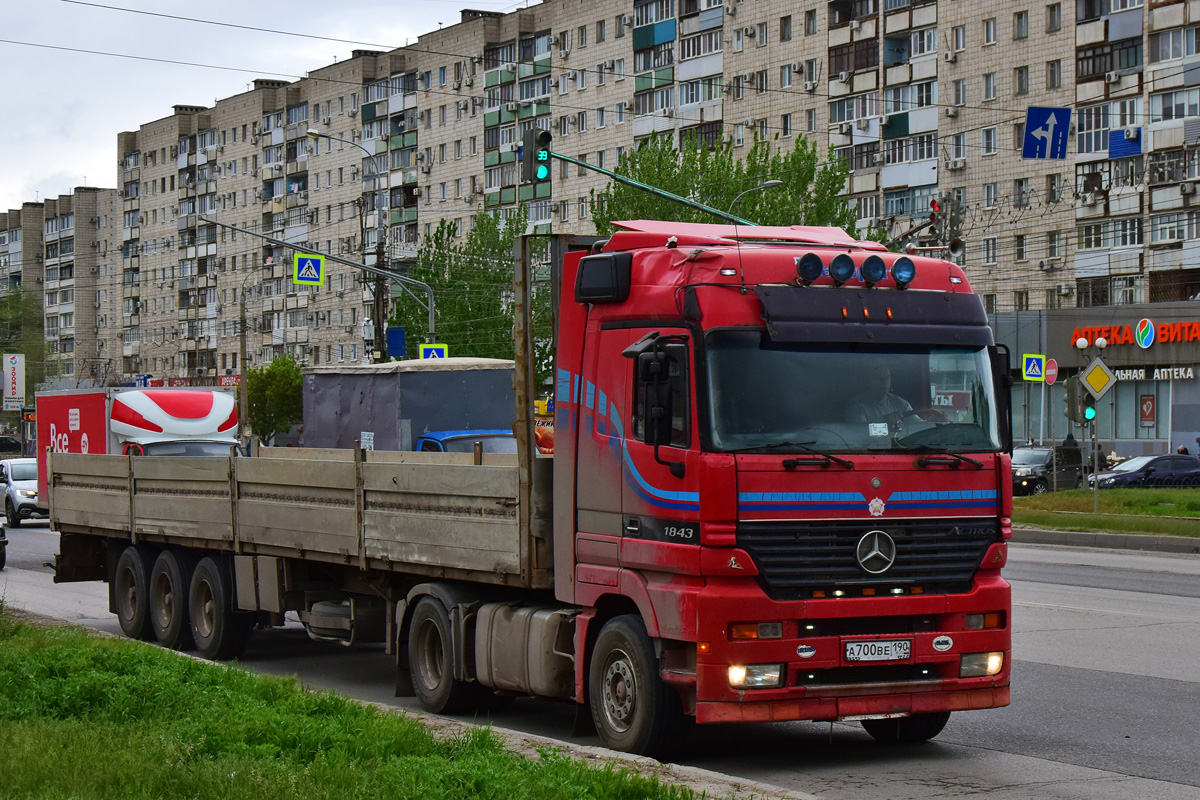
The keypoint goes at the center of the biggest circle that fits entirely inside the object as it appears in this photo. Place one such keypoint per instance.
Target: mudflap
(81, 558)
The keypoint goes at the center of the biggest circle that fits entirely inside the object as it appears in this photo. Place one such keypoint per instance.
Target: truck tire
(634, 711)
(170, 583)
(907, 730)
(431, 661)
(219, 632)
(130, 588)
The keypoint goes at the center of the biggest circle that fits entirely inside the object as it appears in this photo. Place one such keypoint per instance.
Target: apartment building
(21, 247)
(919, 98)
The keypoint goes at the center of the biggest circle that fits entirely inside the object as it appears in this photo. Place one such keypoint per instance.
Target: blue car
(493, 441)
(1149, 471)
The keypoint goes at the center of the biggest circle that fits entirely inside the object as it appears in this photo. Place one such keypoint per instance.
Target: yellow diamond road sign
(1097, 378)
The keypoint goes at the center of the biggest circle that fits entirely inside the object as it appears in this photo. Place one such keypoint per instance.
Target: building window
(991, 195)
(1021, 80)
(1021, 192)
(785, 76)
(989, 139)
(1053, 17)
(958, 38)
(989, 86)
(785, 29)
(1021, 25)
(989, 31)
(1054, 74)
(1054, 188)
(785, 125)
(960, 92)
(1054, 244)
(1021, 300)
(989, 250)
(1021, 247)
(810, 22)
(1091, 131)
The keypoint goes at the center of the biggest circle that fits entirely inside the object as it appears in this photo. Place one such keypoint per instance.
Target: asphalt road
(1106, 689)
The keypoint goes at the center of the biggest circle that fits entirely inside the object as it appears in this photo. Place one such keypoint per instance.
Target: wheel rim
(162, 601)
(1039, 488)
(619, 693)
(126, 594)
(206, 610)
(431, 664)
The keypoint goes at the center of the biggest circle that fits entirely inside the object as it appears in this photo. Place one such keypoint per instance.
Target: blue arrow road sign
(1046, 132)
(1035, 367)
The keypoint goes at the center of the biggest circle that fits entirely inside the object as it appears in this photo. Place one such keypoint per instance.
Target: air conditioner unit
(1090, 199)
(610, 64)
(509, 67)
(956, 163)
(554, 40)
(468, 81)
(1044, 265)
(731, 10)
(885, 119)
(750, 122)
(1065, 291)
(354, 112)
(844, 77)
(627, 20)
(511, 107)
(949, 56)
(862, 124)
(877, 159)
(326, 120)
(1187, 188)
(1112, 77)
(810, 86)
(749, 31)
(97, 304)
(349, 329)
(1132, 133)
(951, 111)
(846, 128)
(512, 147)
(855, 24)
(564, 53)
(254, 172)
(428, 168)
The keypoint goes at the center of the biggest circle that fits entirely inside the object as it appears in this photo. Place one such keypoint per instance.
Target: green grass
(84, 717)
(1172, 512)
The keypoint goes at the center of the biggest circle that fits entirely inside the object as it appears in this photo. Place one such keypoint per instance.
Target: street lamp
(380, 244)
(764, 185)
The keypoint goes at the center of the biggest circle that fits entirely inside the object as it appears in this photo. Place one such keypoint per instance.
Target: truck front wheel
(130, 592)
(431, 661)
(170, 581)
(219, 632)
(633, 709)
(916, 728)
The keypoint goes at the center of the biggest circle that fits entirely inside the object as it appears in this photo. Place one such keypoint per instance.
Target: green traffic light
(543, 172)
(1089, 413)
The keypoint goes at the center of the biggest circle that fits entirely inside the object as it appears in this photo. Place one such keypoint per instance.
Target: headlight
(1024, 472)
(756, 676)
(979, 665)
(27, 492)
(1108, 481)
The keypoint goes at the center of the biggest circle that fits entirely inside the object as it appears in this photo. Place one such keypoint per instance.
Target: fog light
(979, 665)
(756, 676)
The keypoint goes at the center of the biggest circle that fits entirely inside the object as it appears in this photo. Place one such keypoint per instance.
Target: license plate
(879, 650)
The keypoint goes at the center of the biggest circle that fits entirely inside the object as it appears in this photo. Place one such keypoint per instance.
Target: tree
(472, 281)
(274, 393)
(21, 332)
(810, 194)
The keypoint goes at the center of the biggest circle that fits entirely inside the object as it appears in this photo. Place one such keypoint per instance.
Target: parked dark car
(10, 446)
(1037, 470)
(1171, 470)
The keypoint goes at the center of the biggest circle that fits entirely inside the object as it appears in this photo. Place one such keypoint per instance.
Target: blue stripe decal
(966, 495)
(563, 391)
(800, 497)
(590, 401)
(602, 407)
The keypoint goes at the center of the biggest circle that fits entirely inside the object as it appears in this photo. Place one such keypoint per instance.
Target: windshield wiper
(924, 461)
(789, 463)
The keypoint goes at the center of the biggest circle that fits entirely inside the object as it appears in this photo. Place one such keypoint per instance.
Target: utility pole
(243, 392)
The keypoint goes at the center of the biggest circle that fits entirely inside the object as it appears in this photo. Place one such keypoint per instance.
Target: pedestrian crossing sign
(309, 270)
(434, 351)
(1035, 367)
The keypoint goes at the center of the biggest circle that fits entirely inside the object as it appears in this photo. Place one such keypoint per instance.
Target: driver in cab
(877, 403)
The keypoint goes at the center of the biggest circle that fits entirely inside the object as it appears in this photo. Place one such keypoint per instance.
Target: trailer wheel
(431, 661)
(170, 583)
(907, 730)
(633, 709)
(219, 632)
(130, 593)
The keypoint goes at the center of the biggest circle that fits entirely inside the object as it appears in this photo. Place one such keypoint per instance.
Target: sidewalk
(1115, 541)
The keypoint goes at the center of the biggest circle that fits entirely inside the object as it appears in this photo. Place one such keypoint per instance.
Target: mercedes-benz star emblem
(876, 552)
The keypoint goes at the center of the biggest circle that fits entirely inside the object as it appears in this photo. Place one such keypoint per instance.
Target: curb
(1111, 541)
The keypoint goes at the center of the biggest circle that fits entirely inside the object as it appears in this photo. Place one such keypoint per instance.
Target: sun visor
(803, 314)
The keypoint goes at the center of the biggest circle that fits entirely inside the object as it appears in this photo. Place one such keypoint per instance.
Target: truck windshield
(187, 449)
(847, 397)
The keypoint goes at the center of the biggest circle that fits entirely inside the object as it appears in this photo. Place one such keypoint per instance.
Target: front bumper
(31, 510)
(822, 684)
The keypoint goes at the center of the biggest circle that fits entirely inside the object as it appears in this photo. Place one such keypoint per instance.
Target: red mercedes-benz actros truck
(779, 490)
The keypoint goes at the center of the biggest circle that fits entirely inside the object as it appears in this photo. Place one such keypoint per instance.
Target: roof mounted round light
(903, 271)
(809, 267)
(841, 268)
(873, 270)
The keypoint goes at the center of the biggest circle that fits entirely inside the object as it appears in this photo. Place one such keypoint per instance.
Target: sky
(65, 108)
